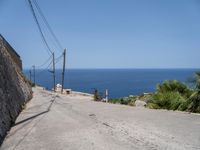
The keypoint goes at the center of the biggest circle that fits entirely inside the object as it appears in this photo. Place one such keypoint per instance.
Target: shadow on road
(32, 117)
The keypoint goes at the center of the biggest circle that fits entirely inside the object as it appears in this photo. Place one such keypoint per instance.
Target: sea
(118, 82)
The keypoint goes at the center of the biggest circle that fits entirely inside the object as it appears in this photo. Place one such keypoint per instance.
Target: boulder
(139, 103)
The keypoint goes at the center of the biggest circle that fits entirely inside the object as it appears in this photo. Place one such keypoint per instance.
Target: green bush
(194, 102)
(183, 106)
(174, 86)
(124, 101)
(168, 100)
(153, 106)
(171, 95)
(115, 100)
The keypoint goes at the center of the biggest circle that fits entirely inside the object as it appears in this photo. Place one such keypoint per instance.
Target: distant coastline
(119, 82)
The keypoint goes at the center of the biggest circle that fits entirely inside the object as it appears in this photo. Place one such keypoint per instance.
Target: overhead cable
(39, 27)
(45, 62)
(47, 24)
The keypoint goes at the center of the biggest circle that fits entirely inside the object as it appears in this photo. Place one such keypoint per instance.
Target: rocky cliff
(15, 90)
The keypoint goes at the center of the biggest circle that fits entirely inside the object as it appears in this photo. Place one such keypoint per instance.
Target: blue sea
(119, 82)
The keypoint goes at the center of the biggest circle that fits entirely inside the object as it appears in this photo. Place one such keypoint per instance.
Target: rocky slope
(15, 90)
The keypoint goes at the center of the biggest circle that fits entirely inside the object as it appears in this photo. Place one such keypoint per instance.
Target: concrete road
(51, 122)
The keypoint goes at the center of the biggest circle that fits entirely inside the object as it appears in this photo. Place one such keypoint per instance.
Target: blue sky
(108, 33)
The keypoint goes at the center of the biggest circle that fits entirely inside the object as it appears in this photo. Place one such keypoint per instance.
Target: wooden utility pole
(54, 76)
(63, 71)
(34, 74)
(30, 75)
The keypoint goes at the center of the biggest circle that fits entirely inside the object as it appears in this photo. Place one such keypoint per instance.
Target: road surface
(61, 122)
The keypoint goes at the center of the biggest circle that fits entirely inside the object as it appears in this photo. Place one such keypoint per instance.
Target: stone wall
(15, 90)
(16, 58)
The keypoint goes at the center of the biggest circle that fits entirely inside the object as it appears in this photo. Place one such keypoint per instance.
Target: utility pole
(30, 74)
(54, 76)
(63, 72)
(34, 74)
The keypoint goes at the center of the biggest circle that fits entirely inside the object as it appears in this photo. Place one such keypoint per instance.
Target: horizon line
(112, 68)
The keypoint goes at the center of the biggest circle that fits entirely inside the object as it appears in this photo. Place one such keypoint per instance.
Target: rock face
(15, 89)
(16, 58)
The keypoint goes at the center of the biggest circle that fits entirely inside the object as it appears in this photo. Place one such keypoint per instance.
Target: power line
(39, 27)
(47, 24)
(58, 59)
(54, 61)
(45, 62)
(46, 69)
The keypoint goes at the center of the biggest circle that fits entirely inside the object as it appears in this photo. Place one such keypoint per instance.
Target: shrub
(174, 86)
(153, 106)
(114, 101)
(167, 100)
(171, 95)
(183, 106)
(194, 100)
(124, 101)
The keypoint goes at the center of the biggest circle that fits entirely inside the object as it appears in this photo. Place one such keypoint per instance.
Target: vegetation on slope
(171, 95)
(174, 95)
(194, 100)
(124, 101)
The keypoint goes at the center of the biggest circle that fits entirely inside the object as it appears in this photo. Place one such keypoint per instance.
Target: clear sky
(108, 33)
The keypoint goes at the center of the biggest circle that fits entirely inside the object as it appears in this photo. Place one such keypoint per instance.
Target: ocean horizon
(119, 82)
